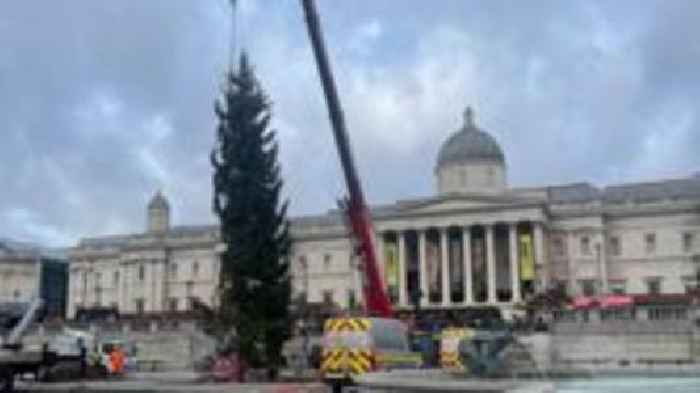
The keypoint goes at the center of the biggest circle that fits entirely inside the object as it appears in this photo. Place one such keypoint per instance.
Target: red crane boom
(376, 300)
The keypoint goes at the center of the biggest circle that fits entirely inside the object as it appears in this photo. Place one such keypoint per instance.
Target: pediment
(459, 203)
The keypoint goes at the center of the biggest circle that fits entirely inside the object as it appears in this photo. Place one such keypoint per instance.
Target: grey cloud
(102, 102)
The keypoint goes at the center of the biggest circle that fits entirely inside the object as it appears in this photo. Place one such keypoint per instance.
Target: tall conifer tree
(255, 286)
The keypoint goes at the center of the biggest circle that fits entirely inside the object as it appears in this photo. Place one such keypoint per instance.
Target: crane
(376, 299)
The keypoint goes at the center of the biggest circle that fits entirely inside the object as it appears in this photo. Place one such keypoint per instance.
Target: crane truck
(17, 360)
(353, 346)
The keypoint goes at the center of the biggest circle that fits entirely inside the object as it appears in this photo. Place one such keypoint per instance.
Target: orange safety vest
(116, 360)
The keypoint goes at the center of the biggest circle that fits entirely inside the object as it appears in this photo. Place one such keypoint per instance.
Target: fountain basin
(441, 381)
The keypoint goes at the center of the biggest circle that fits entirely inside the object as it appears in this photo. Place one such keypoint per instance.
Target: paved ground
(169, 382)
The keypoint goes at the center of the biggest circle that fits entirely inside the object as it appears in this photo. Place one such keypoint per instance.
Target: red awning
(616, 301)
(583, 302)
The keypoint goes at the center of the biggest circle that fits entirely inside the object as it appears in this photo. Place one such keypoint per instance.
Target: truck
(17, 360)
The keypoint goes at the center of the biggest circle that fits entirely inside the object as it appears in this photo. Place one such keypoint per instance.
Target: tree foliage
(255, 285)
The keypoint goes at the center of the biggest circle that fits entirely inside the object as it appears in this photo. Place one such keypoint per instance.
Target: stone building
(478, 241)
(163, 269)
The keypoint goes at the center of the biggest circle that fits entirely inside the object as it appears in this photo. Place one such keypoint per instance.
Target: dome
(470, 145)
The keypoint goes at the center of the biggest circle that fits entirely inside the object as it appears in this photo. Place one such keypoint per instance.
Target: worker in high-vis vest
(116, 361)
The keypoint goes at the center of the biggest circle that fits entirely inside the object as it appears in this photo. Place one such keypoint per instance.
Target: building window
(16, 294)
(564, 315)
(193, 300)
(352, 300)
(327, 261)
(585, 245)
(115, 278)
(173, 271)
(618, 287)
(173, 304)
(588, 287)
(654, 286)
(666, 313)
(139, 305)
(98, 279)
(691, 282)
(195, 269)
(615, 248)
(142, 272)
(688, 242)
(328, 296)
(303, 296)
(114, 305)
(558, 248)
(620, 314)
(650, 242)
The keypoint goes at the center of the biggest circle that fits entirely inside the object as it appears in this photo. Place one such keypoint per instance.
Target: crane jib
(376, 299)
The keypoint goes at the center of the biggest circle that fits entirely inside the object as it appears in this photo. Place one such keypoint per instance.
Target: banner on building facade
(527, 259)
(391, 265)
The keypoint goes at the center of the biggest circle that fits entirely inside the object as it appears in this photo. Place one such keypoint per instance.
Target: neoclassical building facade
(477, 242)
(160, 270)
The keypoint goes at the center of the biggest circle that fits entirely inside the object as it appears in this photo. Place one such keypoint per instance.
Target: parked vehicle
(354, 346)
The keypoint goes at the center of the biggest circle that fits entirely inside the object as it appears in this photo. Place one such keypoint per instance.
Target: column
(491, 264)
(403, 300)
(602, 259)
(120, 286)
(467, 260)
(378, 240)
(423, 267)
(445, 269)
(570, 247)
(514, 265)
(539, 254)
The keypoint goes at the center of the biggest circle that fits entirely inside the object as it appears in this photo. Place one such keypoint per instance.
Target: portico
(475, 243)
(473, 263)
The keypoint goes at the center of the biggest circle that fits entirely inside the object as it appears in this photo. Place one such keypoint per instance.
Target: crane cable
(233, 35)
(322, 153)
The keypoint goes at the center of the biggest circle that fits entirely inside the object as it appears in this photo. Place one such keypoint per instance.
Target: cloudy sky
(103, 102)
